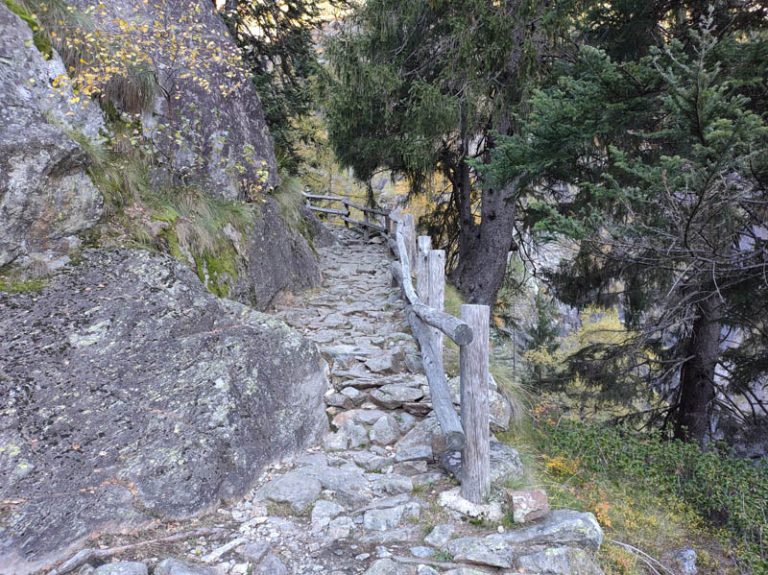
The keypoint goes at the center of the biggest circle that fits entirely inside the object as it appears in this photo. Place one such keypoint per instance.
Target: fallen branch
(86, 555)
(440, 564)
(653, 564)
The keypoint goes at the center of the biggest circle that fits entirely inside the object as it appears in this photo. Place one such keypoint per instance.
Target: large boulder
(128, 392)
(46, 196)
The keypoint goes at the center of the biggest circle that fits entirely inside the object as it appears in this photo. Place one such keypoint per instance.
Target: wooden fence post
(409, 234)
(436, 293)
(476, 456)
(424, 244)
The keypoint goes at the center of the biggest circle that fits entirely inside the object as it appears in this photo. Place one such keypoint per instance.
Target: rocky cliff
(130, 393)
(46, 196)
(203, 113)
(185, 98)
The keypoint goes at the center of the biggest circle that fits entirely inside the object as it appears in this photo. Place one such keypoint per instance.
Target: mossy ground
(13, 285)
(650, 496)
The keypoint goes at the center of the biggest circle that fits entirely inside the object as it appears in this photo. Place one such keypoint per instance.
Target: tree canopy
(659, 165)
(278, 43)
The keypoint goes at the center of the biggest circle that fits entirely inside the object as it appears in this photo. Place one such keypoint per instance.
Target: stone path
(373, 498)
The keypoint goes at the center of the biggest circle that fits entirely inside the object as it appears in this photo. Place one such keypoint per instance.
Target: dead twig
(439, 564)
(85, 555)
(654, 565)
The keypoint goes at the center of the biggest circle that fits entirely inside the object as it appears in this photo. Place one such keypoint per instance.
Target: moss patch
(39, 35)
(11, 285)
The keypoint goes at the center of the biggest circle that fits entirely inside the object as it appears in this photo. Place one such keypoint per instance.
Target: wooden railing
(374, 219)
(428, 321)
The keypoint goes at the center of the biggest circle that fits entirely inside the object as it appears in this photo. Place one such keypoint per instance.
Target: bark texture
(697, 378)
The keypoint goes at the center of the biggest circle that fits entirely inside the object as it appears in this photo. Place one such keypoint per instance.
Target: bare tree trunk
(697, 385)
(484, 248)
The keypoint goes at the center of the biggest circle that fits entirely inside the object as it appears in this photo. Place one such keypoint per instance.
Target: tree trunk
(697, 377)
(484, 248)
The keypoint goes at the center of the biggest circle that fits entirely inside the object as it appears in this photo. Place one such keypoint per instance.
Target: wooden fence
(429, 323)
(374, 219)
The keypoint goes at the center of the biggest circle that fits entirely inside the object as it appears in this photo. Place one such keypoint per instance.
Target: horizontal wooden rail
(369, 225)
(374, 211)
(451, 326)
(323, 198)
(328, 211)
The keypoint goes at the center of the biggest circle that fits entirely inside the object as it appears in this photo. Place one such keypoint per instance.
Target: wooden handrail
(431, 352)
(329, 211)
(376, 211)
(323, 198)
(367, 225)
(451, 326)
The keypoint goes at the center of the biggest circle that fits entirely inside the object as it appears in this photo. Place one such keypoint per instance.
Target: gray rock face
(559, 561)
(278, 259)
(226, 140)
(295, 489)
(561, 527)
(174, 567)
(271, 565)
(46, 196)
(123, 568)
(389, 567)
(129, 392)
(683, 561)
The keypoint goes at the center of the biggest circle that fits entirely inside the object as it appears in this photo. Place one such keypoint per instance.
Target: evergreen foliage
(421, 88)
(668, 155)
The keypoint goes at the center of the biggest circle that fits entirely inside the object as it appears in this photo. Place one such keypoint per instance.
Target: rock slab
(131, 393)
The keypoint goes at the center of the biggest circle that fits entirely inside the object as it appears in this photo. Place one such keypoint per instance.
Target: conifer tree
(666, 158)
(423, 87)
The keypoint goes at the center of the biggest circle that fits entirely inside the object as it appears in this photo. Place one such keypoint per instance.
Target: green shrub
(725, 491)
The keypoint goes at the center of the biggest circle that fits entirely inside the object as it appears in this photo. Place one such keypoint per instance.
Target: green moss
(39, 35)
(174, 248)
(222, 271)
(10, 285)
(218, 270)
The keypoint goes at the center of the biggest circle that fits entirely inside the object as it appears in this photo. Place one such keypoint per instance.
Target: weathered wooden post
(476, 456)
(366, 229)
(424, 244)
(436, 292)
(345, 203)
(409, 233)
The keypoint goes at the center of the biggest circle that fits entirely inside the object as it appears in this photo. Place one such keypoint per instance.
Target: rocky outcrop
(278, 259)
(46, 196)
(207, 118)
(130, 393)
